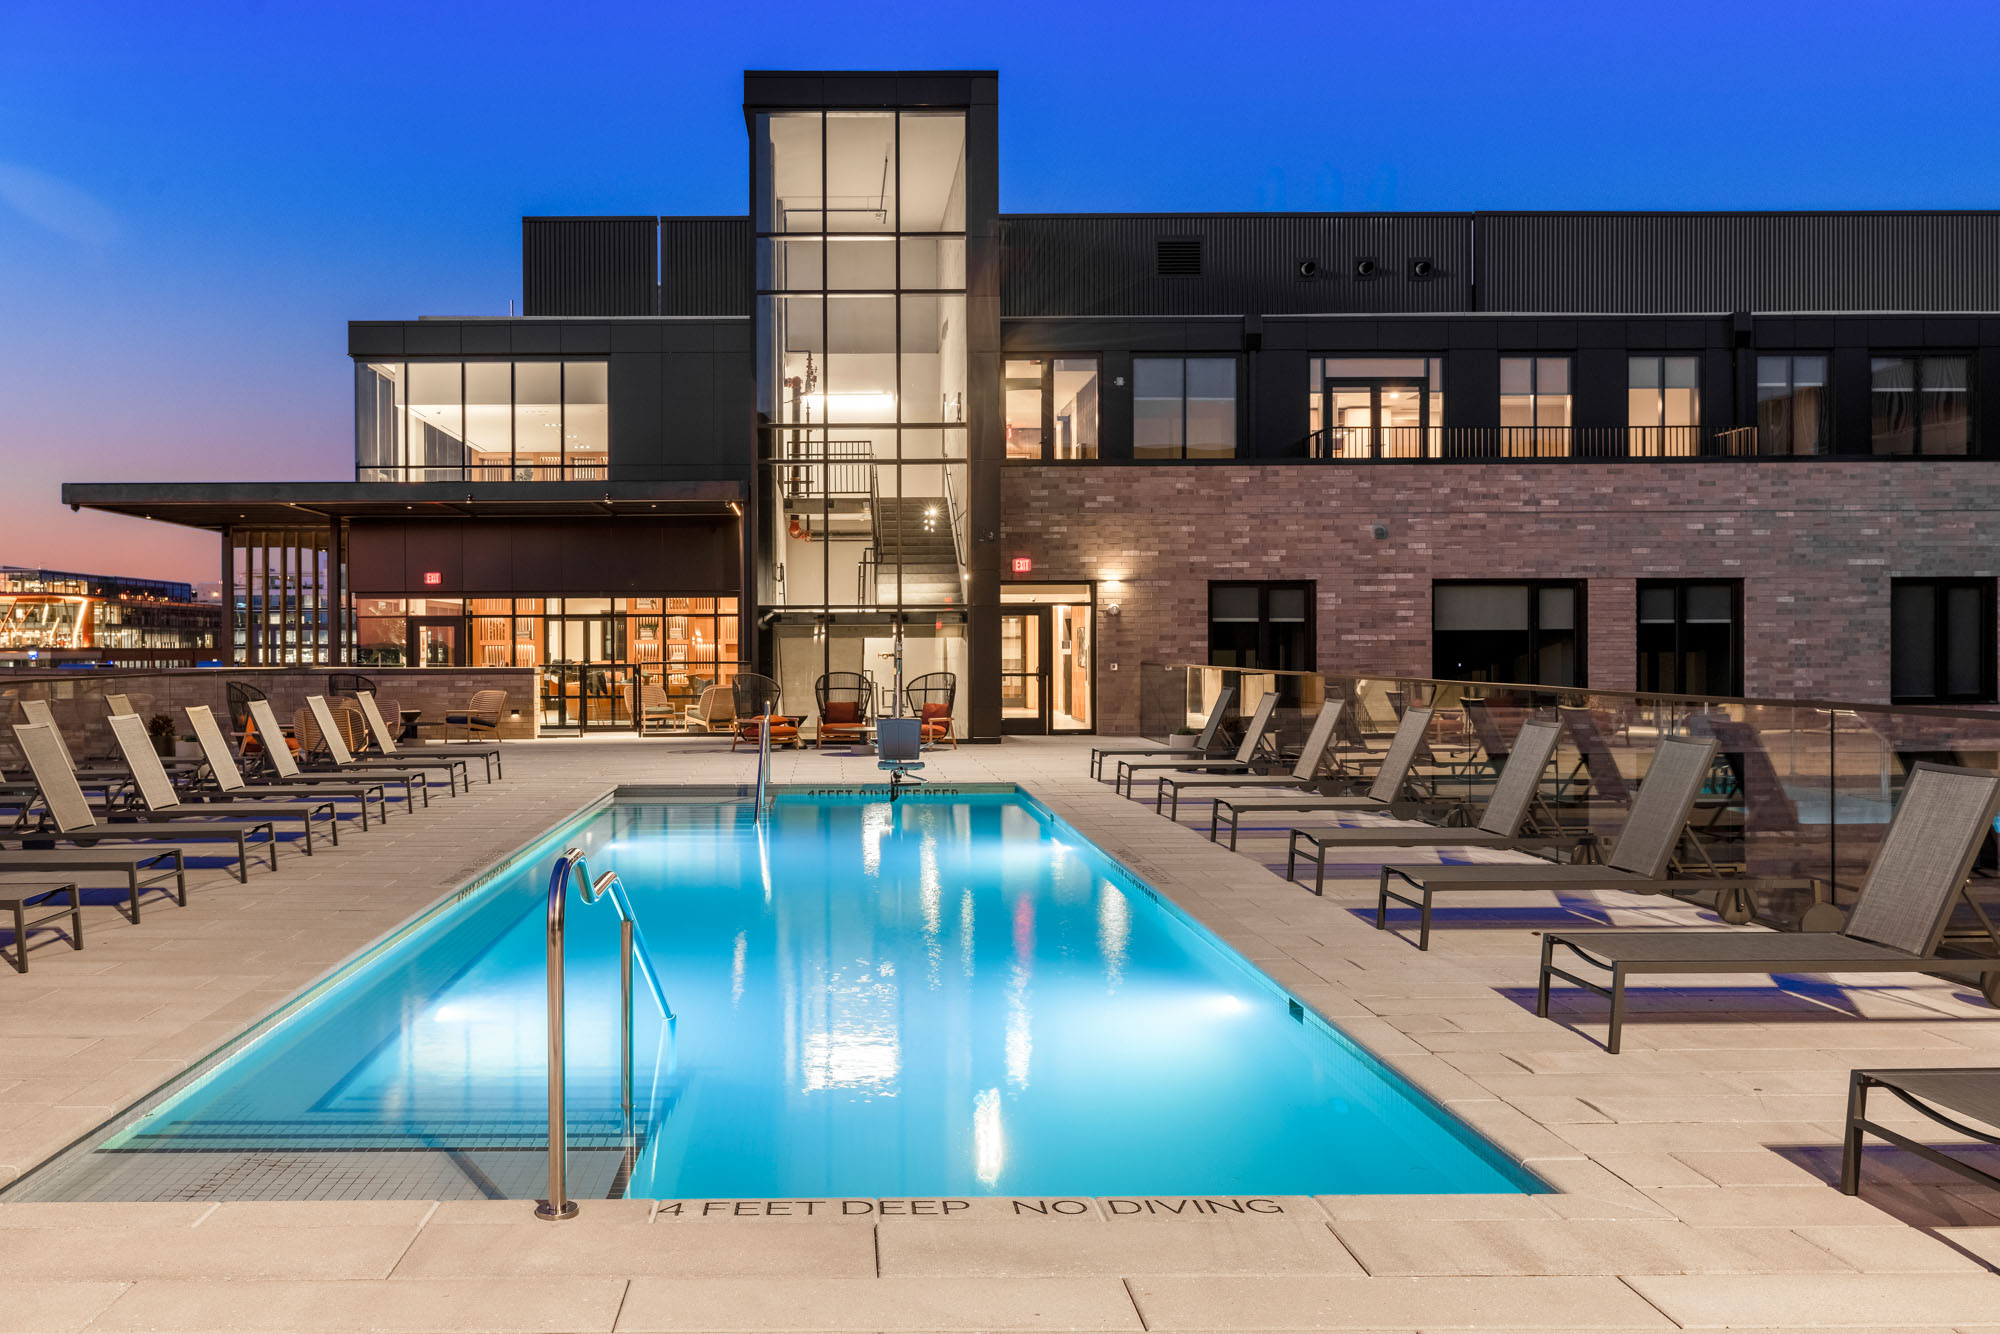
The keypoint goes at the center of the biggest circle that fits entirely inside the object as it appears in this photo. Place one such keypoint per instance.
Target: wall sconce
(1113, 609)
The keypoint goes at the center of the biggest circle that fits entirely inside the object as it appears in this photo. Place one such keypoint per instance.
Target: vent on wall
(1177, 257)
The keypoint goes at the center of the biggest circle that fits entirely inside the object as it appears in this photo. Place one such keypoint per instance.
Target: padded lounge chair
(932, 697)
(1945, 1096)
(1896, 925)
(714, 710)
(385, 738)
(843, 699)
(1299, 778)
(756, 707)
(481, 714)
(1173, 761)
(1638, 862)
(1509, 807)
(160, 802)
(345, 761)
(1204, 743)
(229, 781)
(1384, 795)
(279, 757)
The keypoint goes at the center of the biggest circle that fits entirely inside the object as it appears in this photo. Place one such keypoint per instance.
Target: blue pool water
(951, 995)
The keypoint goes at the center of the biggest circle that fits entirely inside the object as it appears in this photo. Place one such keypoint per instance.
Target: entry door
(1375, 419)
(1024, 671)
(436, 641)
(586, 684)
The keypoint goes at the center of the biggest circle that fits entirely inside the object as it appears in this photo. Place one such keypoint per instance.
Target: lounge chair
(932, 698)
(229, 780)
(650, 705)
(1173, 761)
(17, 896)
(1386, 795)
(63, 803)
(160, 802)
(110, 779)
(756, 705)
(345, 761)
(385, 738)
(1896, 925)
(481, 713)
(843, 699)
(1299, 778)
(1510, 806)
(714, 710)
(118, 703)
(279, 756)
(1204, 742)
(1639, 861)
(1945, 1096)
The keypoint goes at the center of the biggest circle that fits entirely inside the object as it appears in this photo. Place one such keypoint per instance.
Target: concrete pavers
(1690, 1172)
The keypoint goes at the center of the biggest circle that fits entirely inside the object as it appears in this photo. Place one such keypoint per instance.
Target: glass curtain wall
(481, 421)
(279, 580)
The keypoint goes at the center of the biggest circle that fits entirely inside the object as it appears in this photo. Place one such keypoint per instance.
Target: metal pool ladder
(631, 946)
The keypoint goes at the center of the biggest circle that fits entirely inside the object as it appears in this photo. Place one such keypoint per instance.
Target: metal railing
(631, 949)
(763, 764)
(830, 469)
(1427, 444)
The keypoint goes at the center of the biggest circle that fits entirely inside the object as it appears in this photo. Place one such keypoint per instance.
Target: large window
(1375, 407)
(1663, 405)
(1263, 626)
(1052, 408)
(1529, 632)
(1919, 405)
(1183, 407)
(481, 421)
(1792, 405)
(1534, 407)
(1691, 636)
(1941, 641)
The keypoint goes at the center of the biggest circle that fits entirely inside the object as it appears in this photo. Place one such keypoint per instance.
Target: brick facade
(1815, 544)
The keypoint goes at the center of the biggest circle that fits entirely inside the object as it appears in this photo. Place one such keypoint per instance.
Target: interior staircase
(915, 531)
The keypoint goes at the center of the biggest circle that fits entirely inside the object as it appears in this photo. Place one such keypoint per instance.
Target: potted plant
(161, 729)
(1183, 738)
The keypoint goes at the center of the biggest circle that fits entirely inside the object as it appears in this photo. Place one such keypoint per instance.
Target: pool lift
(898, 742)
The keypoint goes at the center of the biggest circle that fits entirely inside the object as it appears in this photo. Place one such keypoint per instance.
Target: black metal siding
(587, 266)
(705, 266)
(1657, 262)
(1107, 265)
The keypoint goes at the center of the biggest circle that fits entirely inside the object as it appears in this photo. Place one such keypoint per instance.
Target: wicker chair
(481, 713)
(756, 699)
(650, 706)
(931, 698)
(843, 699)
(350, 684)
(715, 711)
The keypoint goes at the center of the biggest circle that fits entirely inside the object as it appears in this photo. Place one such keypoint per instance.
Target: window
(1534, 406)
(481, 421)
(1052, 408)
(1530, 632)
(1941, 641)
(1691, 636)
(1266, 626)
(1663, 405)
(1183, 407)
(1375, 407)
(1791, 405)
(1919, 405)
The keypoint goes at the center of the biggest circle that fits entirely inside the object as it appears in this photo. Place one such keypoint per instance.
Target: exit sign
(432, 578)
(1022, 565)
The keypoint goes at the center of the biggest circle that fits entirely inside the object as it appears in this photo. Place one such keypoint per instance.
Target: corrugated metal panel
(705, 266)
(1661, 262)
(1107, 265)
(587, 266)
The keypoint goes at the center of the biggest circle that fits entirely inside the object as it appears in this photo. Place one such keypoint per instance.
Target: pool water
(950, 995)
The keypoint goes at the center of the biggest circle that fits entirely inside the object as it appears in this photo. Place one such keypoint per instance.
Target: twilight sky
(195, 196)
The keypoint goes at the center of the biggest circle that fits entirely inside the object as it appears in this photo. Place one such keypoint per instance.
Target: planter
(1181, 741)
(163, 746)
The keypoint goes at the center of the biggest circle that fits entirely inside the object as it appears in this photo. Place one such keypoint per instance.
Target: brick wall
(1814, 543)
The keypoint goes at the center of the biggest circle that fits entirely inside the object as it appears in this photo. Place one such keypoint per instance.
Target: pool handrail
(631, 946)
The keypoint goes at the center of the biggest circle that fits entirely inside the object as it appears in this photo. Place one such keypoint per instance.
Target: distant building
(57, 616)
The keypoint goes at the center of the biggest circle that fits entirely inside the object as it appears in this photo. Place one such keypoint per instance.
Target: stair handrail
(952, 515)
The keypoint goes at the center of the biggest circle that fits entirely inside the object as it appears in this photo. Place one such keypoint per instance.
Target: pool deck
(1691, 1172)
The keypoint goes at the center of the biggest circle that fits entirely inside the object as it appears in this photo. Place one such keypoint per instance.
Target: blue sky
(195, 197)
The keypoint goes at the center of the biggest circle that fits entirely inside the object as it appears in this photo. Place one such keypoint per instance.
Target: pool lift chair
(898, 743)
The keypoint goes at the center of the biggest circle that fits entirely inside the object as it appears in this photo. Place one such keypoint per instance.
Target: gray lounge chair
(345, 761)
(1639, 861)
(385, 737)
(279, 756)
(110, 778)
(451, 766)
(1299, 778)
(18, 896)
(1204, 743)
(229, 780)
(1385, 795)
(1511, 806)
(1896, 925)
(1973, 1095)
(160, 802)
(1171, 761)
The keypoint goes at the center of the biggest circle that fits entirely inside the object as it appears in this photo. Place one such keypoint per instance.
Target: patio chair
(650, 706)
(320, 732)
(1204, 743)
(286, 768)
(19, 894)
(1510, 807)
(482, 713)
(158, 801)
(227, 779)
(238, 695)
(843, 699)
(713, 711)
(1166, 762)
(1299, 778)
(756, 705)
(1896, 925)
(1386, 795)
(75, 822)
(385, 739)
(350, 684)
(1950, 1097)
(932, 697)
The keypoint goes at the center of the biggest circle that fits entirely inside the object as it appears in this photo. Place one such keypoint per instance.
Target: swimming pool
(951, 995)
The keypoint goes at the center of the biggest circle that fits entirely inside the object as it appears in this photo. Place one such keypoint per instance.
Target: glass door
(1375, 419)
(1024, 673)
(586, 682)
(436, 641)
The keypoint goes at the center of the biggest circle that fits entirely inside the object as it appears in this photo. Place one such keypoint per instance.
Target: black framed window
(1941, 641)
(1261, 625)
(1052, 407)
(1691, 636)
(1183, 407)
(1919, 405)
(1663, 405)
(1530, 631)
(1792, 404)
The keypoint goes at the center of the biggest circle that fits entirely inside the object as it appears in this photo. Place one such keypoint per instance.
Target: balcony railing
(593, 471)
(1440, 444)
